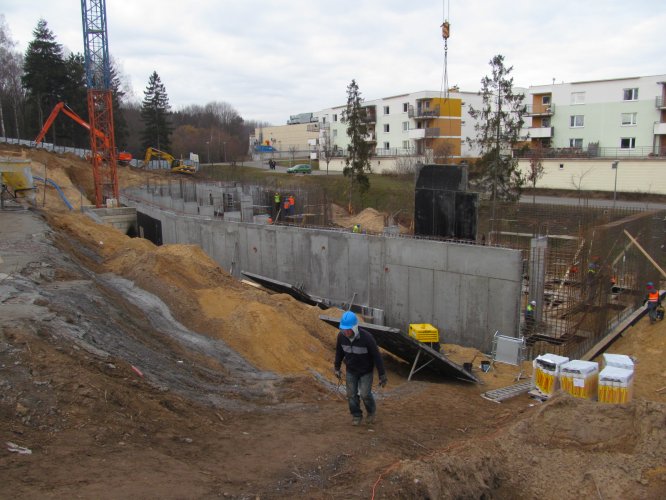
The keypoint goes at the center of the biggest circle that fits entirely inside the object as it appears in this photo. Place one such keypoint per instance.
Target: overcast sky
(271, 59)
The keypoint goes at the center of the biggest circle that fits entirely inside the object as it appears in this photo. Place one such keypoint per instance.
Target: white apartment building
(427, 125)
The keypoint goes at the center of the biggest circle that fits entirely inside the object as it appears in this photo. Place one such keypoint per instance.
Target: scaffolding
(579, 266)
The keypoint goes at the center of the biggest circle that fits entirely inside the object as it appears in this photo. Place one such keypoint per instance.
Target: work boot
(356, 420)
(370, 419)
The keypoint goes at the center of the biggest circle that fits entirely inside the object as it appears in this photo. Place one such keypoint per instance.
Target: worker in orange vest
(292, 202)
(285, 206)
(653, 301)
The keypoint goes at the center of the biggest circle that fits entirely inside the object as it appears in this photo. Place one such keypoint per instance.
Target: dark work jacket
(360, 356)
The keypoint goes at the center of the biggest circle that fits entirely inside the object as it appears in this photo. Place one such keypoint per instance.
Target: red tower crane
(100, 104)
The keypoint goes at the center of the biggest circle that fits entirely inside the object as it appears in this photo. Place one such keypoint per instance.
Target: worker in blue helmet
(361, 355)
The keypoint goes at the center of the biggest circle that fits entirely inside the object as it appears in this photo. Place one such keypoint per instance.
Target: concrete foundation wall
(466, 291)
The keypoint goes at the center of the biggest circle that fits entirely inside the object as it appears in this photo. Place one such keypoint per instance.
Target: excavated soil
(129, 370)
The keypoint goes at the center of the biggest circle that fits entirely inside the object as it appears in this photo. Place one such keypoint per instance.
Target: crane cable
(445, 35)
(444, 88)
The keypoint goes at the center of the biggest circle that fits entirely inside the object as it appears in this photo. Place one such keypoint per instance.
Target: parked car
(303, 168)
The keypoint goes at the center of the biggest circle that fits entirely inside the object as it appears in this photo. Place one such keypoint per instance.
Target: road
(264, 165)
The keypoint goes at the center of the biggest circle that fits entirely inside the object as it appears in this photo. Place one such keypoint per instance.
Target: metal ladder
(499, 395)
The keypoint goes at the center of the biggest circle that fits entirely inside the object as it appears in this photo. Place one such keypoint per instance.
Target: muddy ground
(129, 370)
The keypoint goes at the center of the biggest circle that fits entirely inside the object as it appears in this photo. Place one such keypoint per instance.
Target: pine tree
(357, 163)
(498, 132)
(44, 74)
(75, 95)
(155, 115)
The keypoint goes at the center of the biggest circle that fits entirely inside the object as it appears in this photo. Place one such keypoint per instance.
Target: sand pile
(371, 220)
(272, 331)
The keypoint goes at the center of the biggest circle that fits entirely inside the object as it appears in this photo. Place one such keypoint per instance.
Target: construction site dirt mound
(369, 219)
(130, 370)
(568, 449)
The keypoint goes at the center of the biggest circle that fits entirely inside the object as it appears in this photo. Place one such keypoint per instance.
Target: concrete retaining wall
(467, 291)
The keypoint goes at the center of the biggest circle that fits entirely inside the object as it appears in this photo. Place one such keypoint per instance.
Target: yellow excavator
(177, 166)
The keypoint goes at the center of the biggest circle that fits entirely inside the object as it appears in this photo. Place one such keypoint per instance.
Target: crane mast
(100, 103)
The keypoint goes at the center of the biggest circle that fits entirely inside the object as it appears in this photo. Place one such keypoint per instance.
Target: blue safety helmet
(348, 321)
(650, 284)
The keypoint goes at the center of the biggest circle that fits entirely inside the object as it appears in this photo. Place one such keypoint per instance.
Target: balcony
(540, 132)
(422, 112)
(540, 109)
(660, 102)
(423, 133)
(594, 152)
(660, 128)
(313, 127)
(371, 137)
(371, 114)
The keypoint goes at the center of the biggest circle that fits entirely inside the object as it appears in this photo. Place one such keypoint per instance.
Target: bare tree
(442, 152)
(11, 70)
(406, 164)
(536, 167)
(326, 146)
(577, 182)
(292, 153)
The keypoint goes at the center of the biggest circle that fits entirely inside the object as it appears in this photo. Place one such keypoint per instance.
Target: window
(630, 95)
(405, 144)
(335, 118)
(576, 143)
(545, 121)
(405, 107)
(323, 120)
(335, 133)
(386, 110)
(628, 143)
(387, 145)
(405, 126)
(545, 100)
(577, 121)
(629, 119)
(578, 98)
(387, 128)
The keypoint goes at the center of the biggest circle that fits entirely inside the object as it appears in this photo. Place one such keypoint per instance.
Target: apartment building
(616, 118)
(622, 118)
(427, 124)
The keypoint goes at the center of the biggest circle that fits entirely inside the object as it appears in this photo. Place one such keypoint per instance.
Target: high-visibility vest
(291, 201)
(286, 204)
(277, 198)
(653, 296)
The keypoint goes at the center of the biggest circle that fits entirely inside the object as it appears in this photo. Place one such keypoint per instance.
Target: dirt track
(135, 371)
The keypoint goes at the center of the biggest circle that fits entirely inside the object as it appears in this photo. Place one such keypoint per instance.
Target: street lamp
(614, 167)
(224, 150)
(208, 146)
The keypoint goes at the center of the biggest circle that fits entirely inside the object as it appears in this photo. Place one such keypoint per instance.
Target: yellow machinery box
(423, 332)
(580, 378)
